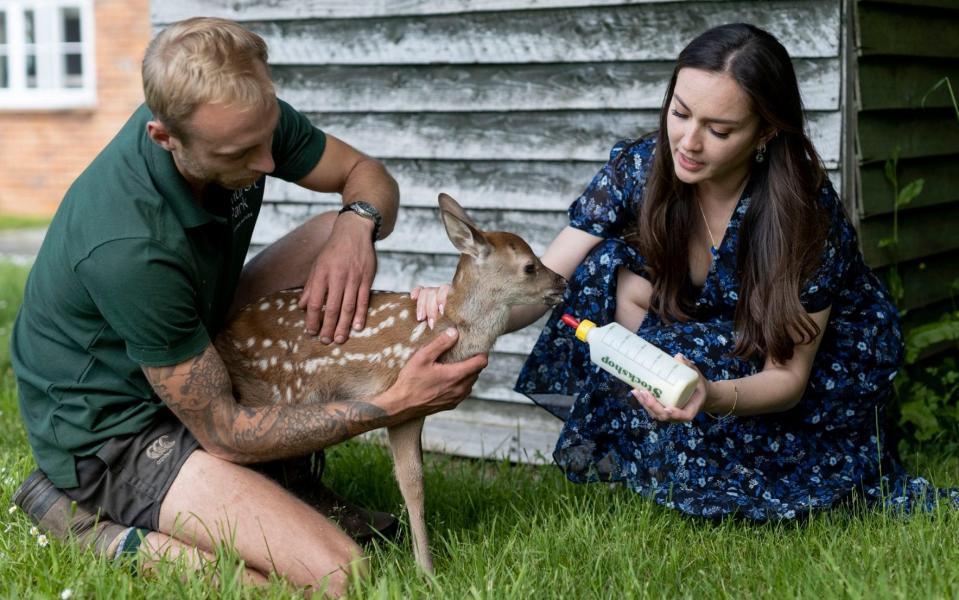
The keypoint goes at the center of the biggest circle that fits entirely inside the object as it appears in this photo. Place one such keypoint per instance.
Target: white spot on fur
(418, 331)
(336, 352)
(288, 366)
(264, 365)
(250, 342)
(279, 321)
(405, 314)
(265, 306)
(370, 331)
(310, 366)
(267, 343)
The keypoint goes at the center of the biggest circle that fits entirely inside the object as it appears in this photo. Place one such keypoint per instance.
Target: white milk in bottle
(636, 362)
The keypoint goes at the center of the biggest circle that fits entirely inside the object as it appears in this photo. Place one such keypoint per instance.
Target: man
(127, 405)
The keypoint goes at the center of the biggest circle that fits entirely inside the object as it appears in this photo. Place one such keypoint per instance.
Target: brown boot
(361, 524)
(301, 476)
(62, 518)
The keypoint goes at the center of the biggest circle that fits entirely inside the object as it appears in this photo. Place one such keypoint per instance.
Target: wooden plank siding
(904, 48)
(509, 106)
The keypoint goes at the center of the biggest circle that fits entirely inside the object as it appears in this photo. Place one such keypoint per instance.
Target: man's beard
(201, 175)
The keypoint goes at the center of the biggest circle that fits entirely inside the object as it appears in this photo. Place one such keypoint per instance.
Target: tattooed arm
(199, 392)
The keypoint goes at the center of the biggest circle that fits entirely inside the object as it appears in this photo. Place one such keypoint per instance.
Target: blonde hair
(203, 60)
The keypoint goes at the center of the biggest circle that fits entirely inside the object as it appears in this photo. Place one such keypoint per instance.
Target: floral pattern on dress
(767, 467)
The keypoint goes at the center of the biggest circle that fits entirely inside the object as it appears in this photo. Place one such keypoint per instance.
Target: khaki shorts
(130, 476)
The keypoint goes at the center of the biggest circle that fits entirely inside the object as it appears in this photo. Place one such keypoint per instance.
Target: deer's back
(271, 359)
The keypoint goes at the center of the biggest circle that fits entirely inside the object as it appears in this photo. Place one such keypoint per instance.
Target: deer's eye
(529, 269)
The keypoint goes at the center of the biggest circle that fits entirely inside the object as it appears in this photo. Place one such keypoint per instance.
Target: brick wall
(42, 152)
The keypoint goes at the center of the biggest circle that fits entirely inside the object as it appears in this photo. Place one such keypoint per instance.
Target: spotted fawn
(271, 359)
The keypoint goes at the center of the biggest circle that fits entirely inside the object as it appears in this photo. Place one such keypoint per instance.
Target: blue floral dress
(766, 467)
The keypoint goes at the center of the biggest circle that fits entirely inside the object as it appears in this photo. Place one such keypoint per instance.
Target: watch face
(367, 211)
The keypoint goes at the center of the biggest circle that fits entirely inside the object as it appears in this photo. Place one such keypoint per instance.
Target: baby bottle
(635, 361)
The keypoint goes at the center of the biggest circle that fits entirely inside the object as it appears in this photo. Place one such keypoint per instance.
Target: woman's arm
(777, 388)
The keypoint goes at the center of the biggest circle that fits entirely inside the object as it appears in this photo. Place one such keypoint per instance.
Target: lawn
(514, 531)
(8, 221)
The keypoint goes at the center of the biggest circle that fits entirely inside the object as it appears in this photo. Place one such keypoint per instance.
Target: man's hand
(425, 386)
(337, 292)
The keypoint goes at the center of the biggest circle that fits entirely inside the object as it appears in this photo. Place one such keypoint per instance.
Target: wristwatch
(367, 211)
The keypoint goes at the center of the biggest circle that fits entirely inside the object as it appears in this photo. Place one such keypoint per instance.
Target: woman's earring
(761, 153)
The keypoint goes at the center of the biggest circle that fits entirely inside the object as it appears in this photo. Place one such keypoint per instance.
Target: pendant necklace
(712, 249)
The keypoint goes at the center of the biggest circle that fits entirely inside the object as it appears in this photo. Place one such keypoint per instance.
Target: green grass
(22, 222)
(507, 531)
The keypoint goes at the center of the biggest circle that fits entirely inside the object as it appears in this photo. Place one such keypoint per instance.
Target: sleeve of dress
(608, 206)
(840, 249)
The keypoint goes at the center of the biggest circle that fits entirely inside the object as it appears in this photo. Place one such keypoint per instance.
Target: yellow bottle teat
(585, 326)
(582, 327)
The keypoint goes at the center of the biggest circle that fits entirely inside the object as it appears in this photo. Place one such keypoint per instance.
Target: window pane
(31, 70)
(4, 83)
(71, 24)
(31, 37)
(73, 70)
(3, 27)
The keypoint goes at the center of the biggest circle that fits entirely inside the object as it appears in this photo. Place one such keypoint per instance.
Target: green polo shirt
(133, 271)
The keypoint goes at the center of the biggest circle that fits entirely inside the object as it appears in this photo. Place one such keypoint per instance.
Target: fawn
(271, 359)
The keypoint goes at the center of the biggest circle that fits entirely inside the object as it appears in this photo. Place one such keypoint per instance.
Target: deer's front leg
(407, 446)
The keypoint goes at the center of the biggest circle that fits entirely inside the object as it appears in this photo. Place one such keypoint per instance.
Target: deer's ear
(464, 234)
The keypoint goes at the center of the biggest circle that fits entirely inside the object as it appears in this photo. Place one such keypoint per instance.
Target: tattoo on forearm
(200, 393)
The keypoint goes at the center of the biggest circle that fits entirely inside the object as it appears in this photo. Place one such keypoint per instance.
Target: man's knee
(350, 566)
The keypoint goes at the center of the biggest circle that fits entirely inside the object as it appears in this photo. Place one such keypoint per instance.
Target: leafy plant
(901, 198)
(927, 390)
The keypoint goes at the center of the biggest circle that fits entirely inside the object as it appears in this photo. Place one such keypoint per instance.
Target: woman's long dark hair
(782, 234)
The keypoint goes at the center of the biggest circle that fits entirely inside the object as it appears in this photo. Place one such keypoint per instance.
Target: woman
(719, 239)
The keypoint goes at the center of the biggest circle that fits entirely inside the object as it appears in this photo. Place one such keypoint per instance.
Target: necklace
(712, 249)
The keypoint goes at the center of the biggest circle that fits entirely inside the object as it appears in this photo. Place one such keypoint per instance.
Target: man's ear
(161, 136)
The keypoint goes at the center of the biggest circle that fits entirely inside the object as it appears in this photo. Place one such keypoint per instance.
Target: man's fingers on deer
(314, 309)
(362, 307)
(331, 314)
(347, 310)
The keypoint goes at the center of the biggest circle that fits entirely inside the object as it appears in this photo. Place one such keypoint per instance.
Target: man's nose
(263, 161)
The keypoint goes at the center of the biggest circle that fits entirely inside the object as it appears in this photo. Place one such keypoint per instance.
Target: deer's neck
(479, 319)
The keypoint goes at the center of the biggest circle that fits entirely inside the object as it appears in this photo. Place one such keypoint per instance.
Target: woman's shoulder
(631, 159)
(643, 148)
(830, 201)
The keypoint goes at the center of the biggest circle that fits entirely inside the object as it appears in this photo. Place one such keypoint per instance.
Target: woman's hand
(672, 414)
(430, 302)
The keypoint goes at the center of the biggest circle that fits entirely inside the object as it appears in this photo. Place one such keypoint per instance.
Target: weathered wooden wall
(510, 107)
(904, 47)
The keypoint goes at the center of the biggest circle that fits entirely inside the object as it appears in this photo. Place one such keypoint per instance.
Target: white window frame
(50, 50)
